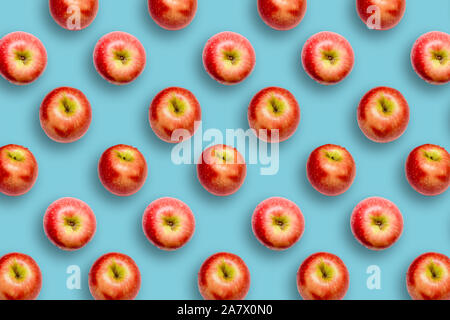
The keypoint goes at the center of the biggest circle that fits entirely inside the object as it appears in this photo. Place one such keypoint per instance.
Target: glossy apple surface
(383, 114)
(20, 277)
(428, 169)
(172, 14)
(274, 114)
(282, 14)
(18, 170)
(69, 223)
(65, 114)
(376, 223)
(114, 276)
(430, 57)
(119, 57)
(221, 170)
(168, 223)
(278, 223)
(174, 110)
(428, 277)
(228, 57)
(381, 14)
(23, 58)
(73, 14)
(224, 276)
(122, 170)
(331, 169)
(327, 57)
(323, 276)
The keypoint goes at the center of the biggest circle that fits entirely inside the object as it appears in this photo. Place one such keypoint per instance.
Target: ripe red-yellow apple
(65, 114)
(327, 57)
(69, 223)
(383, 114)
(282, 14)
(20, 277)
(18, 170)
(376, 223)
(322, 276)
(224, 276)
(23, 57)
(168, 223)
(274, 108)
(221, 170)
(428, 277)
(278, 223)
(428, 169)
(122, 170)
(73, 14)
(119, 57)
(114, 276)
(172, 14)
(430, 57)
(381, 14)
(228, 57)
(174, 109)
(331, 169)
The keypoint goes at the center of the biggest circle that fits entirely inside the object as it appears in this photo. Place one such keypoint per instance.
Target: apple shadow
(51, 25)
(151, 249)
(420, 85)
(311, 193)
(207, 81)
(350, 238)
(307, 84)
(156, 30)
(103, 193)
(153, 140)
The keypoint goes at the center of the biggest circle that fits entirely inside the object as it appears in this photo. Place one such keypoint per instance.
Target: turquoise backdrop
(223, 224)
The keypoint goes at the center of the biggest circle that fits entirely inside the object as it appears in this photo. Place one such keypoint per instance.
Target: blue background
(223, 224)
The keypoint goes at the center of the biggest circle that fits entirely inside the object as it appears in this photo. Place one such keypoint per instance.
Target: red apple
(428, 169)
(278, 223)
(274, 108)
(381, 14)
(376, 223)
(224, 276)
(174, 109)
(228, 57)
(327, 57)
(23, 57)
(282, 14)
(331, 169)
(65, 114)
(122, 170)
(428, 277)
(69, 223)
(322, 276)
(119, 57)
(430, 57)
(221, 170)
(73, 14)
(172, 14)
(20, 277)
(18, 170)
(114, 276)
(168, 223)
(383, 114)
